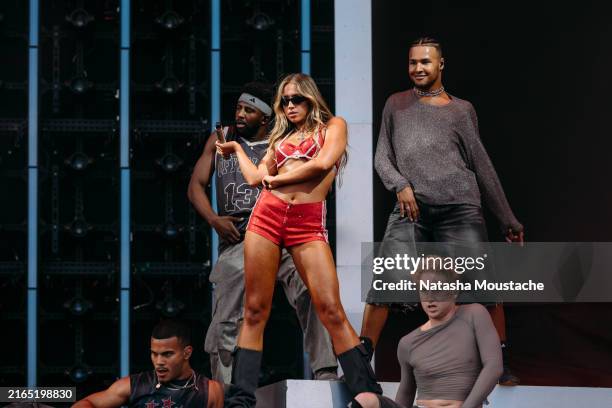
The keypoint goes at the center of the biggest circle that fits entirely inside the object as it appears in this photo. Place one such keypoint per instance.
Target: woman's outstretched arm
(252, 174)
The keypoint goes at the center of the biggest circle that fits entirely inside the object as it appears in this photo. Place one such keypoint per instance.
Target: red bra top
(307, 149)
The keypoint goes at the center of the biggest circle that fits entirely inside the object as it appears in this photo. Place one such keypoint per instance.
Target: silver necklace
(191, 382)
(437, 92)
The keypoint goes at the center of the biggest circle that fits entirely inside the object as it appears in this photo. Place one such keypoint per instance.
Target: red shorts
(287, 224)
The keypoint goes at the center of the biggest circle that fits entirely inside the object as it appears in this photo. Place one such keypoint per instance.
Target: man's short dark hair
(261, 90)
(168, 328)
(427, 42)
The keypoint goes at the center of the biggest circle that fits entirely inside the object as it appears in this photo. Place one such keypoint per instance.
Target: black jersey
(145, 393)
(235, 196)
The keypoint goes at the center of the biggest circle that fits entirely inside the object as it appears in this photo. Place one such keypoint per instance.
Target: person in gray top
(235, 201)
(453, 360)
(430, 154)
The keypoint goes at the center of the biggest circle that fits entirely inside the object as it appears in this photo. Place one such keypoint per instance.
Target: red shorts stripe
(287, 224)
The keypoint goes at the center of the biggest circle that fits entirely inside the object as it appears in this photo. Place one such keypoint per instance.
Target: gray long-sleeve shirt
(459, 359)
(437, 150)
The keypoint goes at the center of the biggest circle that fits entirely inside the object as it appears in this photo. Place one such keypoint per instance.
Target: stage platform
(333, 394)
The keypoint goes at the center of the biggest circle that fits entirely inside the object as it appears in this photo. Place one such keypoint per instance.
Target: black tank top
(144, 394)
(235, 196)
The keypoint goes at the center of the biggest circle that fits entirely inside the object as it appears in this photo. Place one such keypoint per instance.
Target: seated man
(172, 382)
(454, 359)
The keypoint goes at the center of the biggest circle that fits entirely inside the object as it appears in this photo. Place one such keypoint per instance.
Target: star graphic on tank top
(151, 404)
(168, 403)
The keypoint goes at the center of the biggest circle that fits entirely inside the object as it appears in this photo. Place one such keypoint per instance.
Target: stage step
(333, 394)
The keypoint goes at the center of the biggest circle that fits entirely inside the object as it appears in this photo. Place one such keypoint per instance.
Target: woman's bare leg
(315, 263)
(374, 319)
(261, 258)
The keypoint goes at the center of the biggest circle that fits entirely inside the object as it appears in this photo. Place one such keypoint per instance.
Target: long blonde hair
(318, 111)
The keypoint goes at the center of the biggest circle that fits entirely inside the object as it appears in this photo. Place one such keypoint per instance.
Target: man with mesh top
(430, 154)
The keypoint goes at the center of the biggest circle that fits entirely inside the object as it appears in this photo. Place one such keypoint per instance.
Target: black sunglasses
(295, 99)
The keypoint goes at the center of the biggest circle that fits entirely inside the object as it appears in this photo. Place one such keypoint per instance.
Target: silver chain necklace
(191, 382)
(437, 92)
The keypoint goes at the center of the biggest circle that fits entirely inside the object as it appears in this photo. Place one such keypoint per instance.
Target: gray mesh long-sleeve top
(437, 149)
(458, 360)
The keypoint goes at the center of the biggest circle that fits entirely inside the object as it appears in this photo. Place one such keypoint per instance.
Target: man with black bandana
(235, 200)
(172, 384)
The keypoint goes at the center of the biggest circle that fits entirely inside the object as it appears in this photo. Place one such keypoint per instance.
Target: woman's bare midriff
(311, 191)
(439, 403)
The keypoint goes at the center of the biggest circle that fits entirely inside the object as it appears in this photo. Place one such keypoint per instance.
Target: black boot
(358, 373)
(245, 378)
(369, 346)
